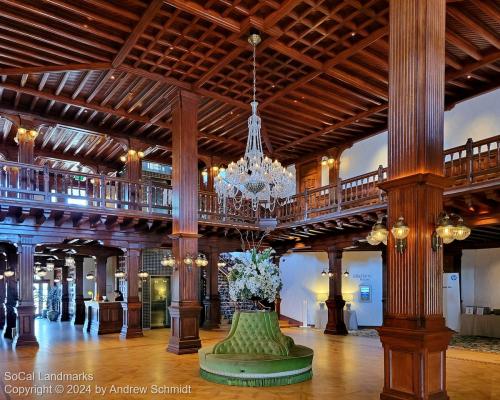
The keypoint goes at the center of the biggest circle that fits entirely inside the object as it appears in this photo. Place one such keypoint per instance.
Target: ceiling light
(90, 276)
(8, 273)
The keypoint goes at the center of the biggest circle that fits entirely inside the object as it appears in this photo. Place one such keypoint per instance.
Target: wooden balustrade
(467, 164)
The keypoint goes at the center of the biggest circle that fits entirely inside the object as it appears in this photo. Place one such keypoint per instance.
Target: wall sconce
(168, 260)
(201, 260)
(447, 231)
(327, 161)
(378, 233)
(50, 264)
(215, 168)
(1, 276)
(8, 273)
(143, 274)
(42, 272)
(120, 274)
(323, 273)
(331, 274)
(400, 231)
(221, 263)
(24, 134)
(90, 276)
(132, 153)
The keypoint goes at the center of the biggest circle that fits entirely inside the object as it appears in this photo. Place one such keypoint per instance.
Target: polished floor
(344, 368)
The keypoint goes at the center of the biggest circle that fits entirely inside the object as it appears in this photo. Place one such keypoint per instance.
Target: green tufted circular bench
(256, 353)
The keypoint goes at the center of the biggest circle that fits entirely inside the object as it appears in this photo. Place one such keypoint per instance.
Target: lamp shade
(445, 230)
(379, 232)
(120, 273)
(143, 274)
(8, 273)
(400, 230)
(90, 276)
(461, 231)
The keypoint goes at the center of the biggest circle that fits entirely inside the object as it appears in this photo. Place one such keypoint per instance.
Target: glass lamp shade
(346, 274)
(70, 278)
(201, 260)
(49, 265)
(90, 276)
(371, 240)
(143, 274)
(188, 260)
(42, 272)
(221, 264)
(461, 231)
(323, 273)
(445, 230)
(57, 280)
(379, 232)
(120, 273)
(331, 274)
(8, 273)
(164, 261)
(1, 276)
(400, 230)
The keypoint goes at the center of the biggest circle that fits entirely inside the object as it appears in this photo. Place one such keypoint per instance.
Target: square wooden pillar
(414, 335)
(132, 308)
(100, 274)
(11, 296)
(185, 308)
(335, 302)
(25, 307)
(65, 291)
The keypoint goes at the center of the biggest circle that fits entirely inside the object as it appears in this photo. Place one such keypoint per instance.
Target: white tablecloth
(350, 320)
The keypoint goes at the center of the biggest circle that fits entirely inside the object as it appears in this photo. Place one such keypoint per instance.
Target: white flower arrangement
(254, 275)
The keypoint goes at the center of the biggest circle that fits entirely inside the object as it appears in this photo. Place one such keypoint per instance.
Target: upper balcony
(41, 191)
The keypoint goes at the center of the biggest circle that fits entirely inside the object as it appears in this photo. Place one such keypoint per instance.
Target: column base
(414, 363)
(185, 337)
(132, 321)
(212, 312)
(25, 336)
(335, 324)
(79, 312)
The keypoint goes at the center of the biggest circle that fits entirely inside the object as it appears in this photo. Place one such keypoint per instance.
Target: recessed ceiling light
(112, 77)
(353, 33)
(171, 47)
(469, 76)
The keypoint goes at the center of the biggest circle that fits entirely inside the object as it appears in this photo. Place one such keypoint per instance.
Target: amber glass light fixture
(447, 231)
(142, 274)
(168, 260)
(400, 231)
(221, 263)
(378, 233)
(8, 273)
(120, 273)
(201, 260)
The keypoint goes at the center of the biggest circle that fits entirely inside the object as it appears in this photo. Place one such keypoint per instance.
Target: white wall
(301, 275)
(302, 280)
(477, 118)
(365, 268)
(481, 278)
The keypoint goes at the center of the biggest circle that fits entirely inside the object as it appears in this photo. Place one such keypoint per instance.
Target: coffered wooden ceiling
(114, 66)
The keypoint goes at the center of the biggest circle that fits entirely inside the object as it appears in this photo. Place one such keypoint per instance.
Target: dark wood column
(414, 335)
(3, 291)
(64, 291)
(25, 307)
(335, 302)
(334, 170)
(79, 297)
(384, 280)
(11, 296)
(185, 308)
(211, 302)
(132, 317)
(100, 275)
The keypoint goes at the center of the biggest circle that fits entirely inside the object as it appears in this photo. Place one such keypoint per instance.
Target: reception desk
(480, 325)
(103, 317)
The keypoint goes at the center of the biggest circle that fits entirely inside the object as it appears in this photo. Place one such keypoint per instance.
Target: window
(79, 193)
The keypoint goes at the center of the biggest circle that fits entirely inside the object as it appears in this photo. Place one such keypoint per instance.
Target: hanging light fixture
(90, 276)
(188, 260)
(346, 273)
(400, 231)
(42, 272)
(142, 274)
(1, 275)
(255, 177)
(69, 261)
(323, 273)
(201, 260)
(37, 267)
(50, 264)
(331, 274)
(8, 273)
(57, 280)
(461, 231)
(120, 273)
(70, 278)
(221, 263)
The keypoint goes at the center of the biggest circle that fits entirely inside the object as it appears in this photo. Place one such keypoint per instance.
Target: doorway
(40, 296)
(160, 300)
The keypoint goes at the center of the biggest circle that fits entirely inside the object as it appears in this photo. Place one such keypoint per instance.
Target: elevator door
(160, 300)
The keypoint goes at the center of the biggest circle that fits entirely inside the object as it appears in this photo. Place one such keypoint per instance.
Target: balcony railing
(35, 185)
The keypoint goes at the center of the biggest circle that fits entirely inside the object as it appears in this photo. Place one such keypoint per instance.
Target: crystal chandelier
(255, 177)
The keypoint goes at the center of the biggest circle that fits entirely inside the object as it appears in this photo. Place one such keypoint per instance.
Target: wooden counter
(103, 317)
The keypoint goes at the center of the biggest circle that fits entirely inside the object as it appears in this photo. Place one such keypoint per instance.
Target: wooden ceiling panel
(114, 67)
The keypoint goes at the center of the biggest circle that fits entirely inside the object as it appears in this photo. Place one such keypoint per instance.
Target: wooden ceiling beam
(470, 23)
(55, 68)
(461, 44)
(286, 7)
(146, 18)
(80, 103)
(467, 69)
(335, 126)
